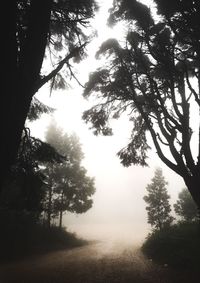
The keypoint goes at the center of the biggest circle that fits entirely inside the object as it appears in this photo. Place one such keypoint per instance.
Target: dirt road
(102, 262)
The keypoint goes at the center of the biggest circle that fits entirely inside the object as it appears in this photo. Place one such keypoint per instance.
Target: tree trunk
(60, 219)
(8, 88)
(193, 185)
(61, 210)
(49, 209)
(20, 75)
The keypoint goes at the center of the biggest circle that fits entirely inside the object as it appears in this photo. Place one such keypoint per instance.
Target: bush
(178, 246)
(20, 238)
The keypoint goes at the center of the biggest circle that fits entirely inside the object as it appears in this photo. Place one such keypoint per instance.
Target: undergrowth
(178, 246)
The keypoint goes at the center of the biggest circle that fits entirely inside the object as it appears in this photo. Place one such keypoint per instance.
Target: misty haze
(100, 147)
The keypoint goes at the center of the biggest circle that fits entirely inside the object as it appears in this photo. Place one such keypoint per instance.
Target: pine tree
(158, 206)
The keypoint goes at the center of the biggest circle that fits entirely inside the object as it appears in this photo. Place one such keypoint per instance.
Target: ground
(98, 262)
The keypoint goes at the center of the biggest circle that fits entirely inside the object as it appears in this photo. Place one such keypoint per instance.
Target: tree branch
(64, 61)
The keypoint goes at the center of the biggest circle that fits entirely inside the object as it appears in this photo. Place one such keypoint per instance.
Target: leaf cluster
(68, 32)
(38, 108)
(185, 207)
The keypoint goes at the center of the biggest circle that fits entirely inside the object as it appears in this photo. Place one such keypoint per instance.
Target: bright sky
(118, 202)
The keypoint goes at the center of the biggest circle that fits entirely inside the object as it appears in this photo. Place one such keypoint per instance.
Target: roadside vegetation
(175, 244)
(46, 181)
(27, 239)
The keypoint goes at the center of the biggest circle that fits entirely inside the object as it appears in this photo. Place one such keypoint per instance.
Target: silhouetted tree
(154, 75)
(23, 193)
(185, 207)
(67, 185)
(158, 206)
(36, 30)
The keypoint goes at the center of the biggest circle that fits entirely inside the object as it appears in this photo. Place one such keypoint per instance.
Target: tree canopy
(153, 75)
(68, 186)
(185, 207)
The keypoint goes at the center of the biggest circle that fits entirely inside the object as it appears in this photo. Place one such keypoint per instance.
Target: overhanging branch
(64, 61)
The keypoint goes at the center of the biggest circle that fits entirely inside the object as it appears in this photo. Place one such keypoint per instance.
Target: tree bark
(61, 210)
(60, 219)
(20, 80)
(193, 185)
(49, 209)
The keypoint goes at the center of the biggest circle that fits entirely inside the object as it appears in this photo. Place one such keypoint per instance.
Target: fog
(119, 209)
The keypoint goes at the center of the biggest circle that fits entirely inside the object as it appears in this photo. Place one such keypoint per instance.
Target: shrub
(177, 246)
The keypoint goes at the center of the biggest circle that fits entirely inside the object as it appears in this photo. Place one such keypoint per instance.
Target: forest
(152, 76)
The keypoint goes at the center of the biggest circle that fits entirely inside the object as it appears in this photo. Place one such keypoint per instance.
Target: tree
(68, 186)
(185, 207)
(22, 194)
(37, 30)
(158, 207)
(153, 74)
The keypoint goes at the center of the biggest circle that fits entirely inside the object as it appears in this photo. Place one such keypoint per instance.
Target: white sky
(118, 202)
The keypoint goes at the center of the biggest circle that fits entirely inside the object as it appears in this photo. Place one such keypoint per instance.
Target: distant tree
(22, 193)
(68, 186)
(158, 206)
(153, 74)
(185, 207)
(55, 30)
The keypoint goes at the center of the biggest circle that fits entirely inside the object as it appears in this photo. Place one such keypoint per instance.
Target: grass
(178, 246)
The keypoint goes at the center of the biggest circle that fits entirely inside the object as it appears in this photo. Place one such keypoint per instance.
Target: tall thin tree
(158, 206)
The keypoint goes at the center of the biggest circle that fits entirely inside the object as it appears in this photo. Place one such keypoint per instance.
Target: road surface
(100, 262)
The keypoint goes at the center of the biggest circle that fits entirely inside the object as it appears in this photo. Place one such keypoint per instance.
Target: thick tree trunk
(8, 88)
(13, 115)
(193, 185)
(21, 73)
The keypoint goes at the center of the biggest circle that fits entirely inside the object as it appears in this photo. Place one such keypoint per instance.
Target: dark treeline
(32, 196)
(154, 75)
(46, 180)
(174, 240)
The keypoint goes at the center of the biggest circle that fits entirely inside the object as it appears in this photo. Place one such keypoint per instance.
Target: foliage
(152, 74)
(158, 207)
(177, 246)
(23, 191)
(38, 108)
(185, 207)
(68, 186)
(44, 39)
(66, 37)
